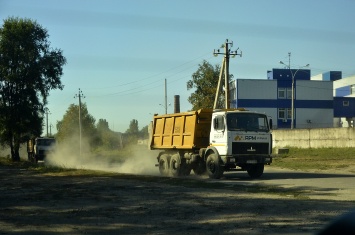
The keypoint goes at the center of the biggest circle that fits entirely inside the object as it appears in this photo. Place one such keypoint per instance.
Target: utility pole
(225, 68)
(166, 97)
(50, 129)
(46, 111)
(79, 95)
(293, 77)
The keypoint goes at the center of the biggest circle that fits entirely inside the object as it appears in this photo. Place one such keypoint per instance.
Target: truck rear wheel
(164, 164)
(255, 170)
(213, 166)
(175, 165)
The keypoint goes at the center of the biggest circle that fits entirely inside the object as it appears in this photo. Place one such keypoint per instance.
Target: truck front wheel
(255, 170)
(213, 166)
(164, 164)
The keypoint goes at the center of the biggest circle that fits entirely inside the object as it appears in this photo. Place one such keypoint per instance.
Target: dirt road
(32, 203)
(328, 185)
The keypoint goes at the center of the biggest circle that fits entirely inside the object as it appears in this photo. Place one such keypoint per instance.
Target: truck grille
(250, 148)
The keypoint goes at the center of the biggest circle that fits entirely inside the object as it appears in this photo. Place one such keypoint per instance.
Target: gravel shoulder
(33, 203)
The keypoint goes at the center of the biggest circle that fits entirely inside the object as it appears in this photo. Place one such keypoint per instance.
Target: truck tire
(213, 166)
(164, 164)
(175, 165)
(200, 167)
(185, 169)
(255, 170)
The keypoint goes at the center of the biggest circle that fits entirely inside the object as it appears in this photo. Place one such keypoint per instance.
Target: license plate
(252, 161)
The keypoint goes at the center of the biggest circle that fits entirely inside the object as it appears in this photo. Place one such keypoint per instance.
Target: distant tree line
(98, 135)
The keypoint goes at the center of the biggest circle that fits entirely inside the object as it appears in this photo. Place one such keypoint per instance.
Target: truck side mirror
(270, 124)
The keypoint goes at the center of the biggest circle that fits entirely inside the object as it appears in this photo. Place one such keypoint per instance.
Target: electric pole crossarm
(225, 66)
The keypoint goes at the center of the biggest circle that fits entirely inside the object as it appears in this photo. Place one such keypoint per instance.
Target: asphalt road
(315, 185)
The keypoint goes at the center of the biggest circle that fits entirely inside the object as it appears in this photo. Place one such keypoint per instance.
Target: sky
(119, 52)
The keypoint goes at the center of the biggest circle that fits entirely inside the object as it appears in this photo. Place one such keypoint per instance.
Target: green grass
(316, 159)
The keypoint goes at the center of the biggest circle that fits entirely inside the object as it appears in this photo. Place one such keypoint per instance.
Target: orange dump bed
(189, 130)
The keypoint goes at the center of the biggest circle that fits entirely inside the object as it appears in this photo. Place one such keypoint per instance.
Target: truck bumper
(248, 159)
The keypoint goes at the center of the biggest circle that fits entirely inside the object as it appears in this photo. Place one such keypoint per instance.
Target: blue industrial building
(314, 103)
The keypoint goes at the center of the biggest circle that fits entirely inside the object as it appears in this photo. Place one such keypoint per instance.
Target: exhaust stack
(176, 104)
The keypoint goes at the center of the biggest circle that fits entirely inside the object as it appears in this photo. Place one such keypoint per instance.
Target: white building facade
(313, 99)
(344, 102)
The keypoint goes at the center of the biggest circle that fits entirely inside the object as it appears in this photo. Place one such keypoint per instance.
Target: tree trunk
(15, 155)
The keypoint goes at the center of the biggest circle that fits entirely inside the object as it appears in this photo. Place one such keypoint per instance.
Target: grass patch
(6, 161)
(316, 159)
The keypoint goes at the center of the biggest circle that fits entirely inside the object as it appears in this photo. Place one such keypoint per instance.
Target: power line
(154, 75)
(140, 88)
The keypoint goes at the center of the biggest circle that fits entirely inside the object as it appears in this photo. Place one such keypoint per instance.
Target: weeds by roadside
(317, 159)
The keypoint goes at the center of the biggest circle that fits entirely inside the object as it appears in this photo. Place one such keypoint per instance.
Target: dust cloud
(139, 160)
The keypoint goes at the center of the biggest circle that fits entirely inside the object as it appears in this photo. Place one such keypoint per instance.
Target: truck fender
(209, 151)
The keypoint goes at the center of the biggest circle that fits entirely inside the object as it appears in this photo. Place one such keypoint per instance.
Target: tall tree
(68, 127)
(108, 138)
(102, 125)
(205, 82)
(143, 133)
(131, 134)
(133, 127)
(29, 70)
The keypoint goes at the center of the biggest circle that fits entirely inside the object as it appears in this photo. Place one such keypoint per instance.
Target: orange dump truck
(212, 140)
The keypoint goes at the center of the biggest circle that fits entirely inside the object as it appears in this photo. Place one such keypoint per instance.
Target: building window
(289, 113)
(345, 103)
(289, 93)
(282, 93)
(284, 113)
(352, 89)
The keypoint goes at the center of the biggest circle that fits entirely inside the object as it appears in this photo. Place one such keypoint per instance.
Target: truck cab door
(218, 132)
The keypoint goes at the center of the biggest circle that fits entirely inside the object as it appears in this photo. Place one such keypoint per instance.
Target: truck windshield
(247, 122)
(45, 142)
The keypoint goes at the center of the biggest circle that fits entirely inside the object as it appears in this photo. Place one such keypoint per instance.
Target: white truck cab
(239, 138)
(38, 148)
